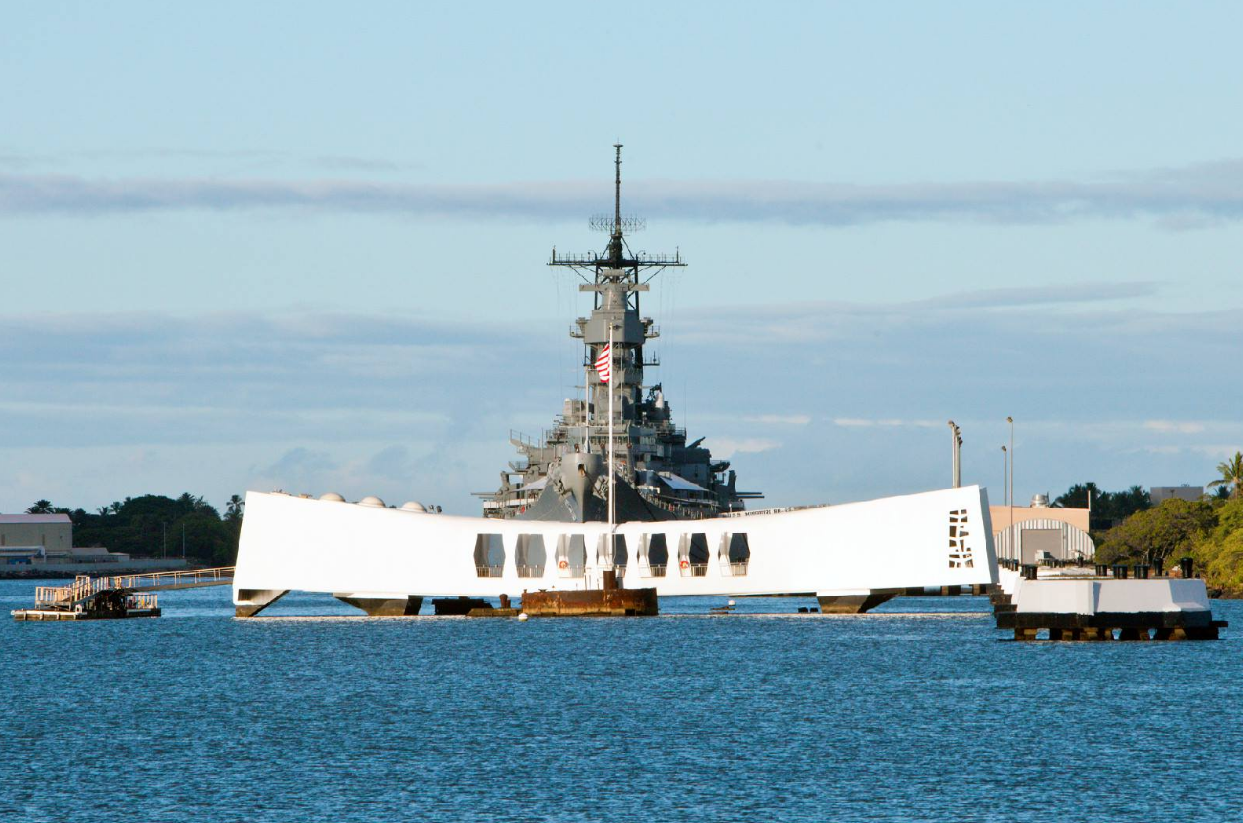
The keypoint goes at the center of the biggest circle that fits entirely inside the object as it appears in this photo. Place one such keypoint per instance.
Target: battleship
(656, 474)
(611, 501)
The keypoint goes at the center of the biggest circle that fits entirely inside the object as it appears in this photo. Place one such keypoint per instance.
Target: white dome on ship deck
(414, 506)
(371, 500)
(333, 496)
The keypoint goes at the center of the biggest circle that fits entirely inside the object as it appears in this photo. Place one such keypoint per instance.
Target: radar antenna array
(607, 222)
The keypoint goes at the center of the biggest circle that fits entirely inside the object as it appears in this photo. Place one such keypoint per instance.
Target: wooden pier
(116, 598)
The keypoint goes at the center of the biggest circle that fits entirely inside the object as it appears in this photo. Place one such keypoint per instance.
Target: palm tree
(1231, 475)
(234, 507)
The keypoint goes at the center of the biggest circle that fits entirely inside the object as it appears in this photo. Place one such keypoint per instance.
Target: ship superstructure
(658, 475)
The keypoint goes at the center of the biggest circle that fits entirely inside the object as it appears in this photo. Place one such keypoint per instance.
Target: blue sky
(301, 245)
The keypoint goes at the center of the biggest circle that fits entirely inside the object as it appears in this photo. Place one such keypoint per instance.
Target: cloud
(1177, 426)
(1218, 451)
(1178, 198)
(726, 447)
(413, 407)
(863, 423)
(299, 462)
(301, 469)
(1041, 295)
(232, 158)
(780, 419)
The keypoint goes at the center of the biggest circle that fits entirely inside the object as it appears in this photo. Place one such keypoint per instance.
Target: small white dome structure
(414, 506)
(333, 496)
(371, 500)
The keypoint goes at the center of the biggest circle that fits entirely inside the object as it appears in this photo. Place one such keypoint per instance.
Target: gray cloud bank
(408, 406)
(1178, 198)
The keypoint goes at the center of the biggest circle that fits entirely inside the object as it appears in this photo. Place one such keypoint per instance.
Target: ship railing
(738, 569)
(489, 571)
(516, 437)
(656, 570)
(530, 571)
(573, 571)
(695, 570)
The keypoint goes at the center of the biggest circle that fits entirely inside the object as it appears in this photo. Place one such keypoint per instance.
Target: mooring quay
(115, 598)
(1104, 607)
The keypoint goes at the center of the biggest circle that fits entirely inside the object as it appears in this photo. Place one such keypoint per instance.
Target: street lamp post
(956, 452)
(953, 454)
(1013, 543)
(1005, 478)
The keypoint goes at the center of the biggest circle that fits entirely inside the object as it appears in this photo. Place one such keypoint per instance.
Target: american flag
(604, 363)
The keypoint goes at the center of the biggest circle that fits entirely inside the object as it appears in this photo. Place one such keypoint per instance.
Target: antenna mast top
(617, 226)
(616, 257)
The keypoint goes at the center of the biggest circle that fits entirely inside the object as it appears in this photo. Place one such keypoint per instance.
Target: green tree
(1220, 553)
(1108, 508)
(153, 525)
(1231, 475)
(45, 507)
(1078, 496)
(1169, 531)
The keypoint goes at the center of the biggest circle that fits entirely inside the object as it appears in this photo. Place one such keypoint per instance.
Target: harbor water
(920, 711)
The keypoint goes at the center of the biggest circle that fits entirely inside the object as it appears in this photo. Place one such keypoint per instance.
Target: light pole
(1005, 478)
(956, 452)
(953, 454)
(1013, 543)
(957, 457)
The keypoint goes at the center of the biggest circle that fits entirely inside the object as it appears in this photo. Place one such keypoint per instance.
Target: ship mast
(616, 254)
(616, 277)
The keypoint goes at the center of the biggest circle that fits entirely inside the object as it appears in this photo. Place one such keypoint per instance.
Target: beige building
(52, 532)
(1031, 534)
(33, 544)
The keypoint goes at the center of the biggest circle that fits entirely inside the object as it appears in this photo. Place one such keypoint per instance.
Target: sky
(302, 246)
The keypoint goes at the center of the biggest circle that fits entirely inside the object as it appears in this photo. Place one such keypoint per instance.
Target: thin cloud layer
(1176, 198)
(411, 408)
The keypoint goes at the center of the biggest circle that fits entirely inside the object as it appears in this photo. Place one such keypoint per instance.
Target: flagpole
(612, 509)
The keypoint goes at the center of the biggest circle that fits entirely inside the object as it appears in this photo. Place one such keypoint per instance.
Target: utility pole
(956, 446)
(1014, 547)
(1005, 475)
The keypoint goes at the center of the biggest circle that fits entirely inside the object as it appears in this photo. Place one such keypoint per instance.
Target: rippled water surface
(918, 712)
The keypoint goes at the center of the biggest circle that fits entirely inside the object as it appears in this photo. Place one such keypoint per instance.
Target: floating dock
(115, 598)
(87, 599)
